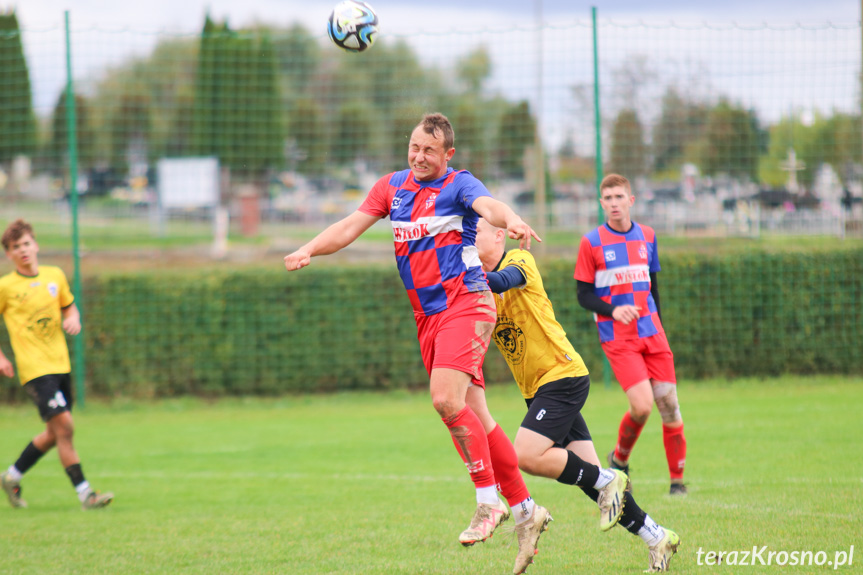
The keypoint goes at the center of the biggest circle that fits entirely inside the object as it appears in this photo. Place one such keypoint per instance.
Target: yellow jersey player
(553, 440)
(37, 306)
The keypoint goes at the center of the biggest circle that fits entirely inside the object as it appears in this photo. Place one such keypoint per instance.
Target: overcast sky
(99, 40)
(187, 15)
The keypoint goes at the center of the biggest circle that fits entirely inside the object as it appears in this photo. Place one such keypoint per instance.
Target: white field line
(228, 475)
(712, 502)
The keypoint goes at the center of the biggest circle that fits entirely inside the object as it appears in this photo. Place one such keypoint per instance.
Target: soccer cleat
(610, 500)
(528, 537)
(678, 489)
(661, 554)
(96, 500)
(13, 490)
(485, 520)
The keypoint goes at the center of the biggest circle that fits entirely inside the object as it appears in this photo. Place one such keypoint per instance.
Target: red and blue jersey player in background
(616, 274)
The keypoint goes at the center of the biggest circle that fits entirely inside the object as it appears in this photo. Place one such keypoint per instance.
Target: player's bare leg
(60, 431)
(537, 455)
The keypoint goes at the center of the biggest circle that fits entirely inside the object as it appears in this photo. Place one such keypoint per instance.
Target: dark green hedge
(752, 314)
(269, 332)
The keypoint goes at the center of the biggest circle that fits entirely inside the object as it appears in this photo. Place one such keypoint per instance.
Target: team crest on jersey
(43, 328)
(642, 251)
(53, 289)
(430, 201)
(396, 203)
(610, 256)
(510, 339)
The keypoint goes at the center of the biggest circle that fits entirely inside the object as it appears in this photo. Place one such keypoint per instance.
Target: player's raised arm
(331, 240)
(501, 215)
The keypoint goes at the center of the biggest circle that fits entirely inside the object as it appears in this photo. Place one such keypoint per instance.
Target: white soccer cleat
(13, 490)
(528, 538)
(485, 520)
(96, 500)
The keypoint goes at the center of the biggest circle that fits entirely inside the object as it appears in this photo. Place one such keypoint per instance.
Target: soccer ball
(353, 25)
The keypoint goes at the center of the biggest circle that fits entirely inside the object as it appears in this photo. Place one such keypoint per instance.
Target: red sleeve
(378, 202)
(585, 266)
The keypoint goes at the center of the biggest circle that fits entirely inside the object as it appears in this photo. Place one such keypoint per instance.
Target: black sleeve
(654, 291)
(592, 302)
(505, 279)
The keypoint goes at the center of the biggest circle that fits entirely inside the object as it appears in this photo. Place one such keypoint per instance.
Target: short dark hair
(434, 123)
(613, 181)
(16, 230)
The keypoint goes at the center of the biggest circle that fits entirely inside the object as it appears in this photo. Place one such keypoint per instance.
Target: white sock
(13, 473)
(523, 511)
(487, 495)
(83, 490)
(651, 533)
(605, 477)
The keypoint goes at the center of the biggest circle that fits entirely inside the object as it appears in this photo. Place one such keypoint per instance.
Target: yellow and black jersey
(31, 308)
(527, 333)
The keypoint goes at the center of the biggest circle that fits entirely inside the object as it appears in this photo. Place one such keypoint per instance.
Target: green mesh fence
(239, 144)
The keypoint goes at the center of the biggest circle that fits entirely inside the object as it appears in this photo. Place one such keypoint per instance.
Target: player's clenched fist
(298, 259)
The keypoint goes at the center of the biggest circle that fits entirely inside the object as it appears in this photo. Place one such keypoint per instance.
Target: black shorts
(52, 394)
(555, 411)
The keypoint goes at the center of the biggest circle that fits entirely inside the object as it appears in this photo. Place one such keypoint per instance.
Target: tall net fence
(257, 137)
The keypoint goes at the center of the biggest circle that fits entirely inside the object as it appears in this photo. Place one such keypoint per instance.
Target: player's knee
(640, 409)
(65, 432)
(445, 406)
(665, 395)
(61, 427)
(528, 462)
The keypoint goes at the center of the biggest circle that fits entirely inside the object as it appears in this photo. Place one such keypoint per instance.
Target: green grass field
(370, 484)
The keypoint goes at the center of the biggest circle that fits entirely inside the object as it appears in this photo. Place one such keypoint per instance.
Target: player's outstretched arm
(501, 215)
(331, 240)
(71, 320)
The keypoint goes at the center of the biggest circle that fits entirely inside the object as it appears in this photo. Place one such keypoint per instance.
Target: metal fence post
(71, 127)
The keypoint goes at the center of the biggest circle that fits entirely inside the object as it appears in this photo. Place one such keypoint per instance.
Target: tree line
(264, 100)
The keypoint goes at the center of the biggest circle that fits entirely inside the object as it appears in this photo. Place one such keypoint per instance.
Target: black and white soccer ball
(353, 25)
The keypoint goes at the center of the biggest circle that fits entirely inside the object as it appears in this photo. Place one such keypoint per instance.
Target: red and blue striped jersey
(619, 266)
(434, 229)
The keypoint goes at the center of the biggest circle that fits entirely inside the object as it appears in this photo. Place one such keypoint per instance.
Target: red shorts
(635, 360)
(458, 337)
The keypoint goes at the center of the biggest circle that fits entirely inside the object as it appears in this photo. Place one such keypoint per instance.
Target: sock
(523, 510)
(471, 442)
(13, 474)
(579, 472)
(487, 495)
(605, 477)
(651, 533)
(504, 461)
(76, 475)
(626, 437)
(27, 459)
(675, 450)
(633, 516)
(83, 490)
